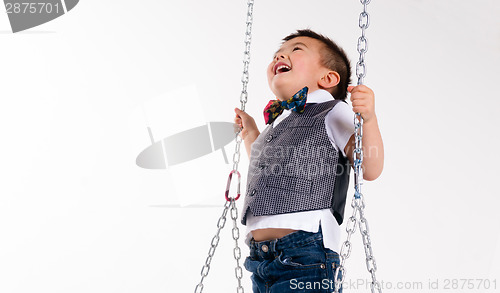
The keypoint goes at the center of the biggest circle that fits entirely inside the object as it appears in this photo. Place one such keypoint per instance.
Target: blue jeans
(297, 262)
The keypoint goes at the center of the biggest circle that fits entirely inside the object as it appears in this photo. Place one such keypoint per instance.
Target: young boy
(299, 165)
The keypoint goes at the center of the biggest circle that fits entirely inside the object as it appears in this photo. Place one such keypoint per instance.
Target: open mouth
(281, 67)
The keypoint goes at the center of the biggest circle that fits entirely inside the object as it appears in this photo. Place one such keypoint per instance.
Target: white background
(77, 214)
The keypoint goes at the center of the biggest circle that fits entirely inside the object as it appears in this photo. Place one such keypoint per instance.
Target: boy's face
(295, 65)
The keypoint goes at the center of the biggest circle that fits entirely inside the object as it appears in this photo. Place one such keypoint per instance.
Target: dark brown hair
(333, 57)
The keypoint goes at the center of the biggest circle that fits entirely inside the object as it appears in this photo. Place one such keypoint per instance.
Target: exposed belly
(270, 233)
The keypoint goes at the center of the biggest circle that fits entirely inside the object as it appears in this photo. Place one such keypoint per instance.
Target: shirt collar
(319, 96)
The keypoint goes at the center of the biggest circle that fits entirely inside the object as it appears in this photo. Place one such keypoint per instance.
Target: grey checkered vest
(294, 167)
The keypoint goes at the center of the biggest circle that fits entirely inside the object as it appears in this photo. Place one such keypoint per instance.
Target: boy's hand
(363, 101)
(248, 123)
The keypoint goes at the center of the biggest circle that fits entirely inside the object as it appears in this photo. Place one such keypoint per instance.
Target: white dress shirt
(339, 123)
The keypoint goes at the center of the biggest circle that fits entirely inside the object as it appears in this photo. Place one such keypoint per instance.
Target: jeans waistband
(269, 249)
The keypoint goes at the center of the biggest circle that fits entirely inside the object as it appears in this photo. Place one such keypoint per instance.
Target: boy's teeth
(282, 67)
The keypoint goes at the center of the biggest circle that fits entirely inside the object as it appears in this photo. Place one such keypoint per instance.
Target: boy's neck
(310, 91)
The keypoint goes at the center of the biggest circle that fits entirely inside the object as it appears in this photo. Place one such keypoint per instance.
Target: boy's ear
(329, 80)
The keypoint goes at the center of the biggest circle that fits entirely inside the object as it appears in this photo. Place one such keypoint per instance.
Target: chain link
(358, 204)
(230, 204)
(236, 251)
(246, 55)
(364, 23)
(213, 246)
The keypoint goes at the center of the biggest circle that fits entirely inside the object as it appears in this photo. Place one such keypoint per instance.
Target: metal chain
(213, 246)
(364, 22)
(245, 77)
(236, 251)
(230, 204)
(236, 156)
(358, 204)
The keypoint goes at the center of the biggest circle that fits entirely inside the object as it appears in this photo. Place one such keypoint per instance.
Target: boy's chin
(282, 96)
(285, 94)
(282, 91)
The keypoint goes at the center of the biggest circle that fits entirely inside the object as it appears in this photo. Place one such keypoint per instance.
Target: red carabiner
(229, 185)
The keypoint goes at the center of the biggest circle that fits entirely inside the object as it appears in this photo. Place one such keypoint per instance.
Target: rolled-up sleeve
(339, 124)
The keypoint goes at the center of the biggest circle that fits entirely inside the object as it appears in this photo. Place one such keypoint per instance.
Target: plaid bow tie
(275, 107)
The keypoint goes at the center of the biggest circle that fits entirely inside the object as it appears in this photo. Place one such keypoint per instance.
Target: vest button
(253, 192)
(269, 138)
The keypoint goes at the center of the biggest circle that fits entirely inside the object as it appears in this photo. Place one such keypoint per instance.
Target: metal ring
(229, 185)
